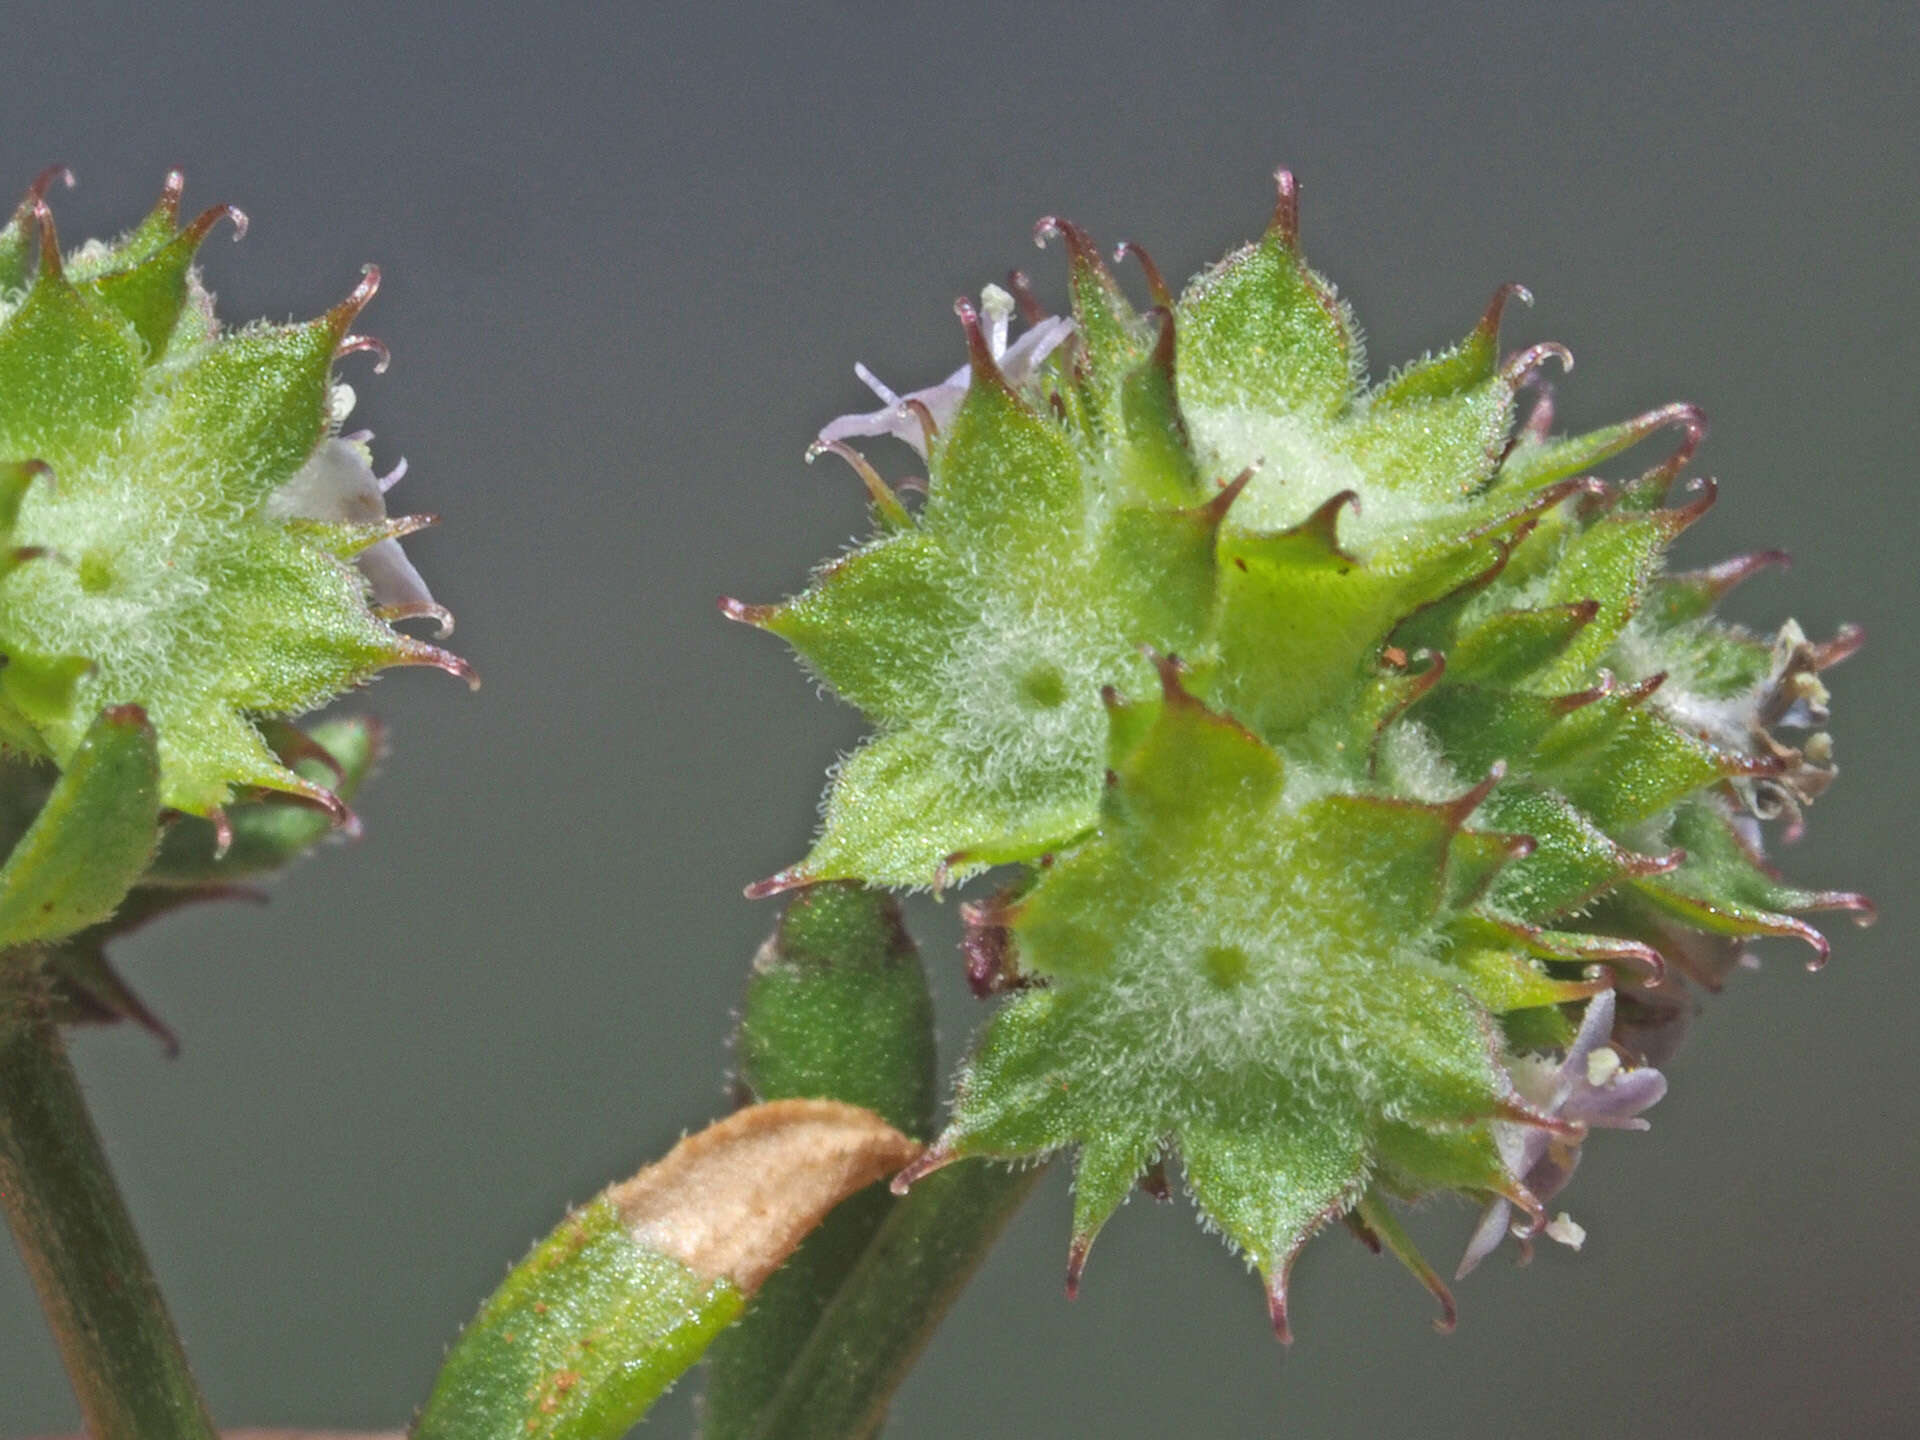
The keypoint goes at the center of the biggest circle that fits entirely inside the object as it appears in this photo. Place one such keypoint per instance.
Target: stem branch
(77, 1239)
(890, 1304)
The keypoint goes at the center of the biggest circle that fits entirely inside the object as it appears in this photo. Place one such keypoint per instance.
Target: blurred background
(631, 254)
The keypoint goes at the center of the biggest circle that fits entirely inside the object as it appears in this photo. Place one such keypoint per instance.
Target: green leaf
(1269, 1183)
(255, 407)
(1107, 333)
(584, 1335)
(1510, 646)
(1156, 460)
(1301, 621)
(270, 834)
(70, 372)
(876, 625)
(1262, 332)
(903, 813)
(91, 839)
(1440, 447)
(1006, 487)
(151, 294)
(1572, 860)
(1416, 1160)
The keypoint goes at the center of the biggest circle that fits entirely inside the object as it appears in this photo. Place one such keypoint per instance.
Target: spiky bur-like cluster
(182, 526)
(190, 554)
(1369, 773)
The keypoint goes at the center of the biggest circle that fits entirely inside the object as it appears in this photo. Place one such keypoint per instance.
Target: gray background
(631, 255)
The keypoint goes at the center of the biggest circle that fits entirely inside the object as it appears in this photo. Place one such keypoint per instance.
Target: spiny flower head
(181, 525)
(1371, 779)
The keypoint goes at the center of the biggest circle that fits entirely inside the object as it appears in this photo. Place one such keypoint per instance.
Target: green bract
(1367, 767)
(178, 522)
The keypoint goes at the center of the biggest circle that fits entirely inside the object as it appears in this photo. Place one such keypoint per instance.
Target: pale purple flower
(1590, 1087)
(1018, 361)
(339, 486)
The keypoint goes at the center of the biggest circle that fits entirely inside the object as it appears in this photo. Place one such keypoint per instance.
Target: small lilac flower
(338, 485)
(1017, 362)
(1590, 1087)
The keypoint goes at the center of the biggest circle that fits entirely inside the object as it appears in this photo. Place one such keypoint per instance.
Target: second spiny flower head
(1371, 780)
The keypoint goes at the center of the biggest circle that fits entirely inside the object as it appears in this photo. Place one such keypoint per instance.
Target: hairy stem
(77, 1239)
(889, 1306)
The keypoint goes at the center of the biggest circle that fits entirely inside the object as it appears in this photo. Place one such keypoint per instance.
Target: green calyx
(1448, 757)
(179, 523)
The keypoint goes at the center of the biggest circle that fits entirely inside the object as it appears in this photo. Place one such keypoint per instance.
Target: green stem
(77, 1239)
(889, 1306)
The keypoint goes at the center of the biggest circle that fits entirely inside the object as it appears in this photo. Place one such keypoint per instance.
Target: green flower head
(182, 526)
(1373, 785)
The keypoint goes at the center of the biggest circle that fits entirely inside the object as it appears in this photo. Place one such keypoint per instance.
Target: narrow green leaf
(92, 838)
(609, 1310)
(70, 371)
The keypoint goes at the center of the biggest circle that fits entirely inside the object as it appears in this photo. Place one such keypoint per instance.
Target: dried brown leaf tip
(734, 1200)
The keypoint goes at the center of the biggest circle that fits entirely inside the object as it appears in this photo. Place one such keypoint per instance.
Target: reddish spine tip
(1520, 369)
(1020, 286)
(1865, 912)
(929, 427)
(50, 261)
(1580, 699)
(1156, 284)
(1076, 1263)
(418, 652)
(171, 189)
(745, 614)
(934, 1157)
(986, 369)
(1082, 253)
(1846, 641)
(792, 878)
(1458, 810)
(1153, 1182)
(1800, 930)
(294, 745)
(1215, 510)
(1170, 668)
(1325, 520)
(1642, 867)
(1519, 1112)
(420, 610)
(341, 316)
(1717, 580)
(1681, 516)
(1361, 1231)
(1489, 326)
(204, 222)
(131, 717)
(1644, 691)
(1277, 1293)
(327, 803)
(354, 344)
(222, 832)
(43, 182)
(1285, 225)
(1691, 421)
